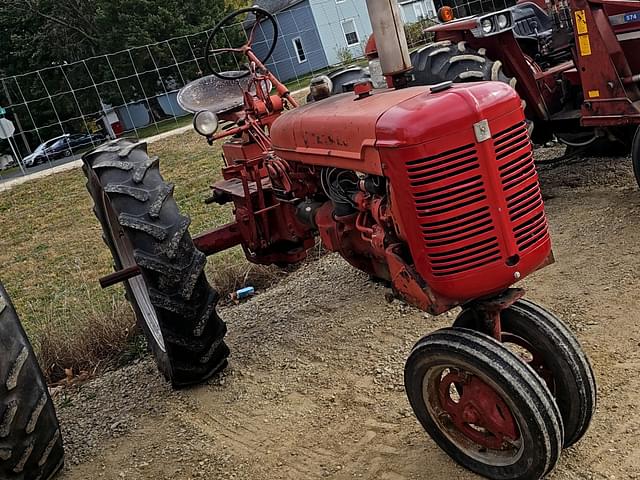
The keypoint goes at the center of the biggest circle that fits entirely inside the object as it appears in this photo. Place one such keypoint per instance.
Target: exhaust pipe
(391, 41)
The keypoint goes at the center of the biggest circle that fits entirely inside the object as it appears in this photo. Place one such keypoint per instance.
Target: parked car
(62, 146)
(7, 161)
(51, 149)
(80, 140)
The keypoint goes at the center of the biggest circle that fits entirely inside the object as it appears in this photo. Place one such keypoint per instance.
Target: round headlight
(503, 21)
(205, 123)
(487, 25)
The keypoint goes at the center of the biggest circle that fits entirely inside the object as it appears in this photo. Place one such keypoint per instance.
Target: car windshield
(39, 148)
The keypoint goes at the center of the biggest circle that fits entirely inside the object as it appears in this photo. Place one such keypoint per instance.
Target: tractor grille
(520, 184)
(453, 211)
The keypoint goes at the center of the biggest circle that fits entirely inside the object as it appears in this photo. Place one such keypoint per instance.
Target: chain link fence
(62, 110)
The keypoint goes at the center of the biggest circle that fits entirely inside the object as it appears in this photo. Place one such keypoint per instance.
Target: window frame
(295, 48)
(355, 30)
(419, 5)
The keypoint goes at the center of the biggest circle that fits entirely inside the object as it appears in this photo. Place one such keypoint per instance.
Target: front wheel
(549, 347)
(482, 406)
(142, 225)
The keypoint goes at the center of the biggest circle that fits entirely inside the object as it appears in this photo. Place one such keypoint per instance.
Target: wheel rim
(472, 415)
(532, 357)
(137, 284)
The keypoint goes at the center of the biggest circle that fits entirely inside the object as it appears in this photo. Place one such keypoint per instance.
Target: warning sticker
(581, 22)
(594, 93)
(585, 45)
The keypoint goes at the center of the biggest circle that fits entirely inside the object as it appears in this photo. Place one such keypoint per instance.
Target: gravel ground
(315, 388)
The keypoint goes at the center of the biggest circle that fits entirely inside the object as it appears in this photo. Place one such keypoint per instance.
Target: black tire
(30, 439)
(445, 61)
(531, 407)
(172, 299)
(559, 360)
(635, 155)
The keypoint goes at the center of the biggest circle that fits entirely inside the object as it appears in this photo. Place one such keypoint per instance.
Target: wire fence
(61, 110)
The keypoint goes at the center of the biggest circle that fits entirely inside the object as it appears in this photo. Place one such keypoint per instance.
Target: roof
(276, 6)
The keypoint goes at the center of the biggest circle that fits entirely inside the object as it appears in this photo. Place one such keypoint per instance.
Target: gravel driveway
(315, 388)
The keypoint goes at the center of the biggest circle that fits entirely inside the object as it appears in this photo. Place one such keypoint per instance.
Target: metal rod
(120, 276)
(632, 79)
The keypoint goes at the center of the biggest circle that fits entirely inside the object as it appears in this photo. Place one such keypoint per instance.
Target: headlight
(487, 25)
(503, 21)
(205, 123)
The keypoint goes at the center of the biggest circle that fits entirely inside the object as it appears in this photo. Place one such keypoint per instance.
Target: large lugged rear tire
(30, 439)
(172, 299)
(445, 61)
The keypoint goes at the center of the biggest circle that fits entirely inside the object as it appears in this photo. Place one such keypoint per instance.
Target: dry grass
(51, 256)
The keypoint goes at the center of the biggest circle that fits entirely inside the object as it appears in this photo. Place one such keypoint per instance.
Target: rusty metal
(120, 276)
(476, 410)
(488, 310)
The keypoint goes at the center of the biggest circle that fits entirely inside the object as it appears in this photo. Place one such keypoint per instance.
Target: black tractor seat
(530, 21)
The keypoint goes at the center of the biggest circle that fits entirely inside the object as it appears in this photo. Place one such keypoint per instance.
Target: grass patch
(52, 254)
(163, 126)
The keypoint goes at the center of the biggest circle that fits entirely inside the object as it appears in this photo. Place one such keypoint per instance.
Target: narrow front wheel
(482, 406)
(548, 346)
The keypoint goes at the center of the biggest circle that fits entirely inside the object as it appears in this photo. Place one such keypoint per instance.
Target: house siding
(295, 22)
(330, 14)
(410, 10)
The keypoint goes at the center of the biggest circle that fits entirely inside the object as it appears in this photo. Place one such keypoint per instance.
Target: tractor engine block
(434, 190)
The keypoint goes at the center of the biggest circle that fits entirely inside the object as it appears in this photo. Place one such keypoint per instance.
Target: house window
(297, 44)
(418, 9)
(350, 32)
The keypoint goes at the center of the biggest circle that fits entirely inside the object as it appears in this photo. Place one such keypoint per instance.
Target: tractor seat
(529, 18)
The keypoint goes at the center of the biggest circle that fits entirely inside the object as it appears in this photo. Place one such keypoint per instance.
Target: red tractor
(572, 62)
(431, 189)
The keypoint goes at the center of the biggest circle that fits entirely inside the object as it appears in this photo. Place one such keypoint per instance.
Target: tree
(58, 33)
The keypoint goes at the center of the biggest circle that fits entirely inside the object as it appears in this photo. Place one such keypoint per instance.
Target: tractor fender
(464, 24)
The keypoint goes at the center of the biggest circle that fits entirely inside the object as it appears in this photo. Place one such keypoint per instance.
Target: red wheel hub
(477, 410)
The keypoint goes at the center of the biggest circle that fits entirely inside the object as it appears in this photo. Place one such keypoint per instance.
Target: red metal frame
(274, 165)
(602, 66)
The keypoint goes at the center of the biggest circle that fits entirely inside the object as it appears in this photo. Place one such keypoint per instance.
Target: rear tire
(456, 62)
(635, 155)
(30, 439)
(172, 299)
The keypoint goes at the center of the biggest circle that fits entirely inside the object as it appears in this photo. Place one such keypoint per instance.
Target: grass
(164, 126)
(51, 256)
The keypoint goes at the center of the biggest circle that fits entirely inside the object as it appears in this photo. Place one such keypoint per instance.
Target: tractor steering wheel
(212, 53)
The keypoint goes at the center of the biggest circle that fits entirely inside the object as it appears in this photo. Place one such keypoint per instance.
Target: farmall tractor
(574, 62)
(432, 189)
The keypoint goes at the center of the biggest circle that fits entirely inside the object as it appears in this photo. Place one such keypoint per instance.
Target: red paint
(602, 71)
(454, 220)
(477, 405)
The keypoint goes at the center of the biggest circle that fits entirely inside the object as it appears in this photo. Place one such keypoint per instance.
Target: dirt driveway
(315, 385)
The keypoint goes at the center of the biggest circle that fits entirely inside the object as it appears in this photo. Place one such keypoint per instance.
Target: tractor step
(234, 188)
